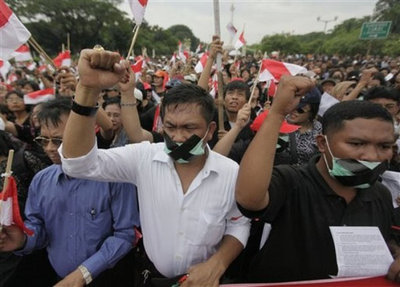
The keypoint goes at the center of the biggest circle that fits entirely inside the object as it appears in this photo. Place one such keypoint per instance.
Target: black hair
(23, 82)
(237, 85)
(189, 94)
(335, 116)
(14, 92)
(381, 93)
(7, 142)
(380, 77)
(52, 111)
(112, 101)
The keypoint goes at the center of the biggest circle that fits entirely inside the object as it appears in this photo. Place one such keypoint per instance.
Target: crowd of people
(131, 180)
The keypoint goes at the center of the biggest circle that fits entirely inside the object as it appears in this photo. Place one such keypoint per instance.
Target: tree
(389, 10)
(183, 32)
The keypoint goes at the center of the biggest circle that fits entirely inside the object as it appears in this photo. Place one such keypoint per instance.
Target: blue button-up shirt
(80, 221)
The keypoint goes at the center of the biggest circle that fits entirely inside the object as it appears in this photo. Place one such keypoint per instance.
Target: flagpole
(42, 52)
(68, 42)
(6, 176)
(136, 31)
(255, 82)
(219, 68)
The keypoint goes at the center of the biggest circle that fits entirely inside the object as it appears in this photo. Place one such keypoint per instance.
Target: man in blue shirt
(87, 226)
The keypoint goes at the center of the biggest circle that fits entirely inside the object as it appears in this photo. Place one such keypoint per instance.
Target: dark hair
(380, 77)
(7, 142)
(237, 85)
(24, 82)
(52, 111)
(381, 93)
(112, 101)
(334, 117)
(16, 92)
(189, 94)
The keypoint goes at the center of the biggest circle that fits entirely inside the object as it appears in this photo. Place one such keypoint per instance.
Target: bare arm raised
(256, 166)
(97, 70)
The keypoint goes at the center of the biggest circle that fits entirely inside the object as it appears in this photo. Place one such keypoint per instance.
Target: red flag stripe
(38, 94)
(276, 68)
(22, 49)
(5, 13)
(143, 2)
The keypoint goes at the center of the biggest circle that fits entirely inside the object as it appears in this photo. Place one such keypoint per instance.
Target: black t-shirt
(301, 209)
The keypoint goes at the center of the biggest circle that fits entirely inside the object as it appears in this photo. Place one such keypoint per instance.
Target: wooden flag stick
(68, 42)
(136, 31)
(255, 83)
(219, 69)
(40, 50)
(7, 175)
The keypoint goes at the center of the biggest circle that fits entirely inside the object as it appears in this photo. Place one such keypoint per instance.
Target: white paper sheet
(360, 251)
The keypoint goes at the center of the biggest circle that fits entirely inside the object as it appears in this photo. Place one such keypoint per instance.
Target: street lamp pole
(319, 19)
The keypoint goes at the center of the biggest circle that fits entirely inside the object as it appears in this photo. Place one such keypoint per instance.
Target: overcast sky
(260, 17)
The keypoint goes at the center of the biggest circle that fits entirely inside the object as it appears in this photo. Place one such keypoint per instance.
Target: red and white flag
(31, 66)
(137, 68)
(5, 67)
(214, 85)
(274, 70)
(183, 55)
(22, 54)
(201, 63)
(231, 29)
(198, 49)
(173, 59)
(138, 8)
(12, 32)
(9, 208)
(240, 41)
(11, 78)
(63, 59)
(39, 96)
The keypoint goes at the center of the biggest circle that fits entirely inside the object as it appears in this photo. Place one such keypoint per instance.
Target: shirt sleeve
(119, 164)
(34, 221)
(125, 217)
(237, 225)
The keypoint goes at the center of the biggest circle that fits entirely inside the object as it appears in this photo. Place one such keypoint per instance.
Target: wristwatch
(84, 110)
(86, 274)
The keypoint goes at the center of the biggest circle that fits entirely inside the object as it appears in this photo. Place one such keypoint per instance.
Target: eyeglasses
(43, 141)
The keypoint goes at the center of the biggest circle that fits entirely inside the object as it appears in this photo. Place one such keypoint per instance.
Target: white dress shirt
(179, 230)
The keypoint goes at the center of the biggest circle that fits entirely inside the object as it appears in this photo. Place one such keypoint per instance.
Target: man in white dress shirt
(188, 213)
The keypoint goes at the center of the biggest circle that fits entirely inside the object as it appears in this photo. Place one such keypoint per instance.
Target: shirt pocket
(208, 230)
(98, 225)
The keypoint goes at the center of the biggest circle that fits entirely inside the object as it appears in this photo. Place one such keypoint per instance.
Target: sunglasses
(43, 141)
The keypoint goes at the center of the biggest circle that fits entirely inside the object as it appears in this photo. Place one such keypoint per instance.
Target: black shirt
(301, 209)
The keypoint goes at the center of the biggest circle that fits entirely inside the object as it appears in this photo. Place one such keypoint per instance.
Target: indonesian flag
(12, 32)
(137, 67)
(202, 63)
(5, 67)
(274, 70)
(240, 41)
(138, 8)
(22, 54)
(272, 89)
(31, 66)
(173, 59)
(12, 78)
(39, 96)
(231, 29)
(198, 49)
(214, 86)
(63, 59)
(181, 53)
(9, 209)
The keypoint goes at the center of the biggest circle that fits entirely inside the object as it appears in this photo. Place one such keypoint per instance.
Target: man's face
(113, 111)
(328, 87)
(390, 105)
(157, 81)
(50, 131)
(360, 139)
(234, 100)
(185, 120)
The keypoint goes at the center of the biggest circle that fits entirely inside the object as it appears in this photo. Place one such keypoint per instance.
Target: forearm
(10, 127)
(229, 249)
(131, 121)
(354, 93)
(225, 144)
(79, 134)
(257, 163)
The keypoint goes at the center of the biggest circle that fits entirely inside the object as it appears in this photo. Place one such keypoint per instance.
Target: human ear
(321, 143)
